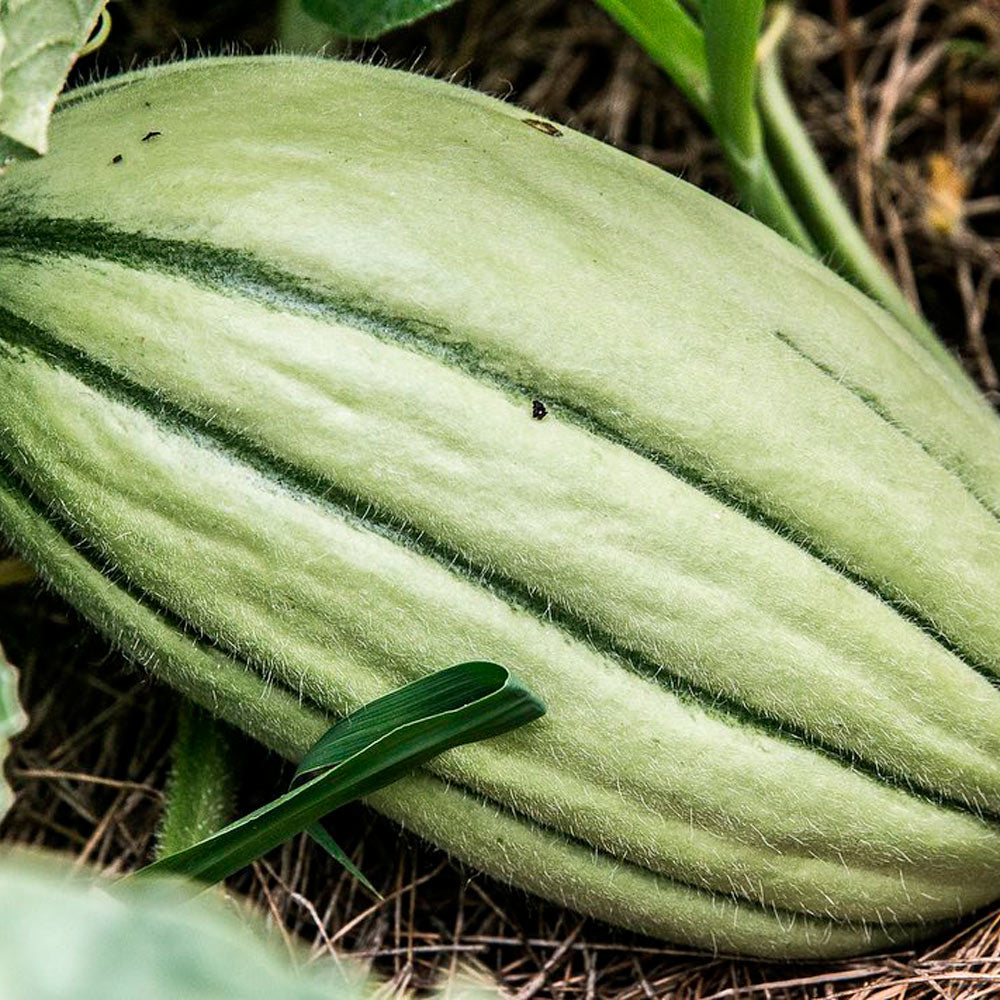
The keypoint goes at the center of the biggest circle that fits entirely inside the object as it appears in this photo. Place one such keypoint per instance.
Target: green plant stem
(703, 65)
(200, 792)
(731, 32)
(762, 195)
(832, 226)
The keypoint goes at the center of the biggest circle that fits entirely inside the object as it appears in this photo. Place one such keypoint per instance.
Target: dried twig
(892, 90)
(856, 115)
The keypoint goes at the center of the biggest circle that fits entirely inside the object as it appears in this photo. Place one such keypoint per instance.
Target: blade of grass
(365, 751)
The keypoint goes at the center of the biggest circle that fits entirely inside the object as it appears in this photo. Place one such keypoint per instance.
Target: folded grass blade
(363, 752)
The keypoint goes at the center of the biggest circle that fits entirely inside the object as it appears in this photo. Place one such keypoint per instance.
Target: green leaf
(319, 834)
(62, 937)
(673, 40)
(365, 751)
(731, 33)
(39, 42)
(12, 721)
(370, 18)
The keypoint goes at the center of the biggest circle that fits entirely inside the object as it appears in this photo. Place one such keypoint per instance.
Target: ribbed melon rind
(278, 382)
(469, 827)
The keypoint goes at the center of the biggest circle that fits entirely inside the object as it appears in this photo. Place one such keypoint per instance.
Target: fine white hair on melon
(351, 374)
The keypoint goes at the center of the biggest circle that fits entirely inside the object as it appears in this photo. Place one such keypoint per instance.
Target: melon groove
(278, 445)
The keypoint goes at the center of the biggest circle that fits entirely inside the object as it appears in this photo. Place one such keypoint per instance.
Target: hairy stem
(200, 793)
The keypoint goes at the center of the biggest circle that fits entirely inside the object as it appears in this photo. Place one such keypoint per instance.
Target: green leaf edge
(12, 721)
(363, 19)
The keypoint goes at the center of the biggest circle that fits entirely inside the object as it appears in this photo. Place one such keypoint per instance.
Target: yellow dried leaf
(946, 188)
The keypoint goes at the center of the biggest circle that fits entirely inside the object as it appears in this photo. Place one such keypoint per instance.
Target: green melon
(275, 335)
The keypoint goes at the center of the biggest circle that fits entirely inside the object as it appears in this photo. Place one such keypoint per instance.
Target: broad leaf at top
(370, 18)
(12, 720)
(39, 42)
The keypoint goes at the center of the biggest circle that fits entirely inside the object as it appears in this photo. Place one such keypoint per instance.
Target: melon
(316, 377)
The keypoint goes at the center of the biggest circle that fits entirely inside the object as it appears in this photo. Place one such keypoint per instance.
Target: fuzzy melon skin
(265, 417)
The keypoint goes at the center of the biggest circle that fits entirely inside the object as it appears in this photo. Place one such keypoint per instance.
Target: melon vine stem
(776, 170)
(820, 206)
(200, 792)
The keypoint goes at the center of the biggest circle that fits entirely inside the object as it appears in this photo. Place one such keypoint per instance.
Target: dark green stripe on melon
(276, 383)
